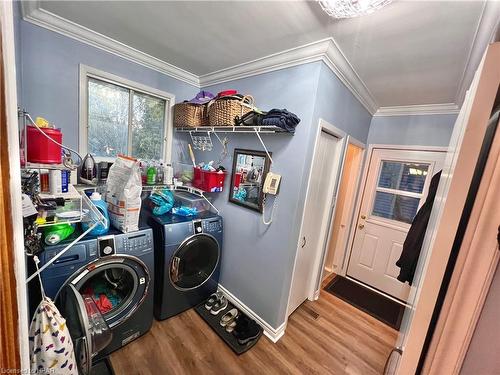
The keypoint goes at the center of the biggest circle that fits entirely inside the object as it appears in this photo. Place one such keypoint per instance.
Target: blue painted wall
(337, 105)
(16, 15)
(420, 130)
(50, 76)
(258, 260)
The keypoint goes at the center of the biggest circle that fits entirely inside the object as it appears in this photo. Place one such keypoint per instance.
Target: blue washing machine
(118, 271)
(187, 261)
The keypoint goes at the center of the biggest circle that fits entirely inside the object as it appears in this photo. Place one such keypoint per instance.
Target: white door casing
(396, 186)
(329, 148)
(348, 186)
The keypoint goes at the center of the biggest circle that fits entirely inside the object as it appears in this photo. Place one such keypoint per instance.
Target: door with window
(396, 187)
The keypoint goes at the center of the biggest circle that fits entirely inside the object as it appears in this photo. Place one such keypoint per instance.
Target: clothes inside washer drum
(108, 291)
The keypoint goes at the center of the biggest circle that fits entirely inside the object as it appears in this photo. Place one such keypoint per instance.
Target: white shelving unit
(233, 129)
(189, 189)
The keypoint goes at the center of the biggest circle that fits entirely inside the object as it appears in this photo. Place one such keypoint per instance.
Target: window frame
(87, 72)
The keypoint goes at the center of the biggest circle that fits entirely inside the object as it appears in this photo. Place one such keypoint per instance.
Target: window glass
(403, 176)
(147, 126)
(117, 114)
(395, 207)
(107, 119)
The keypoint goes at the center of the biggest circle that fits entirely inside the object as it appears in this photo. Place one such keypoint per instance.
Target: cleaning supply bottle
(159, 173)
(168, 174)
(151, 175)
(102, 206)
(144, 171)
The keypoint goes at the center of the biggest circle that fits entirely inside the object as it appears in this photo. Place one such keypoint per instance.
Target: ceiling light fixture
(351, 8)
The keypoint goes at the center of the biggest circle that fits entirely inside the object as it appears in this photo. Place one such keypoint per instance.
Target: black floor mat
(378, 306)
(214, 322)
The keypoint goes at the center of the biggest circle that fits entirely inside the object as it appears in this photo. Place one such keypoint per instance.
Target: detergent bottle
(102, 206)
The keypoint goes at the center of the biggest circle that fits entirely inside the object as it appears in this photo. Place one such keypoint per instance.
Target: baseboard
(274, 334)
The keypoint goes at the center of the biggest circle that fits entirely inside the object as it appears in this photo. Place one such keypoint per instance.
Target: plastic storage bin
(40, 149)
(183, 172)
(191, 200)
(208, 181)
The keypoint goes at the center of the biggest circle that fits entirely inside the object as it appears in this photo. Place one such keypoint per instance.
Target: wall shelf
(39, 166)
(189, 189)
(233, 129)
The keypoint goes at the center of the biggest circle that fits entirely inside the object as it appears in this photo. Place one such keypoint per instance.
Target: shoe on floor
(246, 331)
(230, 327)
(242, 322)
(219, 305)
(212, 299)
(229, 317)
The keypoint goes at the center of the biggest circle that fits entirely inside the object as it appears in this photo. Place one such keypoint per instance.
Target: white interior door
(324, 174)
(340, 227)
(396, 187)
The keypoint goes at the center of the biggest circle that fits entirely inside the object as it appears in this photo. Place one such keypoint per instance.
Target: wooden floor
(327, 336)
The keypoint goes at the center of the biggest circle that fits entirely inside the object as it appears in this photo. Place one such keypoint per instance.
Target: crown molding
(422, 109)
(34, 14)
(335, 59)
(325, 50)
(485, 33)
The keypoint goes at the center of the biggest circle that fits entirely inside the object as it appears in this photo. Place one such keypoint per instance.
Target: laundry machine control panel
(136, 242)
(211, 226)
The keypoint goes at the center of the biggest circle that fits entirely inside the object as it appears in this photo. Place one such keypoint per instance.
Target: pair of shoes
(228, 320)
(246, 329)
(216, 303)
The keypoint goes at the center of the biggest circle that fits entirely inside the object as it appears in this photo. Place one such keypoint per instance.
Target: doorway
(341, 224)
(396, 186)
(320, 200)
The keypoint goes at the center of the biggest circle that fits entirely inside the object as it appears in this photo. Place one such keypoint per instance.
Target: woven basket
(188, 114)
(222, 112)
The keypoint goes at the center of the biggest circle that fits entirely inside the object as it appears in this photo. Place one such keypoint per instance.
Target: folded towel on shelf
(281, 118)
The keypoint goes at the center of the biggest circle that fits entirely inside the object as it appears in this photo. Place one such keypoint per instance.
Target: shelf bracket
(263, 144)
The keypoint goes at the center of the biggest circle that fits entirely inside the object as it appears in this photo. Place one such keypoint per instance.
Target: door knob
(361, 226)
(363, 217)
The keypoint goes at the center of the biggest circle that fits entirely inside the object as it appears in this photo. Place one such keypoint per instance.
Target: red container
(209, 181)
(197, 179)
(40, 149)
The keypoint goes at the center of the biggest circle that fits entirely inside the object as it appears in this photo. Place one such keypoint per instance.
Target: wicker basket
(222, 112)
(188, 114)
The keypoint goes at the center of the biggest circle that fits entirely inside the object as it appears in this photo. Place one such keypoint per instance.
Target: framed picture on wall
(249, 171)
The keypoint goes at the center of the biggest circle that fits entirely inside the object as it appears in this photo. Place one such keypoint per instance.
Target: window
(399, 190)
(122, 117)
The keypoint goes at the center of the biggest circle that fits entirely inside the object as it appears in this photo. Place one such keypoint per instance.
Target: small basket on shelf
(222, 111)
(190, 115)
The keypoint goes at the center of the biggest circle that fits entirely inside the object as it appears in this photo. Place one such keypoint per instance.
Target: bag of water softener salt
(123, 194)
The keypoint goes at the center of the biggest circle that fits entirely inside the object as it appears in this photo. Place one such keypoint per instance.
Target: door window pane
(147, 126)
(395, 207)
(107, 119)
(403, 176)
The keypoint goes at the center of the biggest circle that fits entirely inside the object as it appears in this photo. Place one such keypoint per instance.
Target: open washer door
(88, 329)
(118, 284)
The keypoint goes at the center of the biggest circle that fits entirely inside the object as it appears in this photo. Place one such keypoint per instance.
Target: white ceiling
(409, 53)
